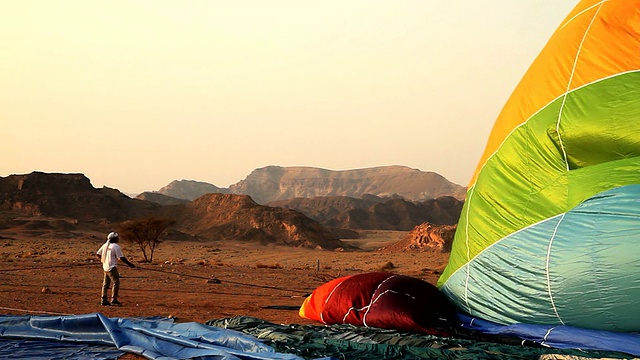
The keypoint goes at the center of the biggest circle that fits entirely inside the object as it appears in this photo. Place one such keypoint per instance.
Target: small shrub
(388, 266)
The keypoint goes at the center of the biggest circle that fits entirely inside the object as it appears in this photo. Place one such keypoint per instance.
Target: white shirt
(109, 254)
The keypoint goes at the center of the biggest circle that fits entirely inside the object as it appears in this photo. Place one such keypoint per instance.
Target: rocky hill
(425, 237)
(376, 213)
(190, 189)
(238, 217)
(275, 183)
(324, 208)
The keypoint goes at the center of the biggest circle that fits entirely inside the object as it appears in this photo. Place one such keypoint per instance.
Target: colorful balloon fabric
(381, 300)
(550, 229)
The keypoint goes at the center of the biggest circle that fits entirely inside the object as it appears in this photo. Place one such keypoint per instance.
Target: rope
(307, 291)
(49, 267)
(78, 287)
(228, 281)
(34, 312)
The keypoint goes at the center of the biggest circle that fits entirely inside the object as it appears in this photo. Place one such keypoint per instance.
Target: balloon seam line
(548, 273)
(580, 13)
(327, 299)
(611, 76)
(500, 240)
(468, 265)
(567, 91)
(373, 300)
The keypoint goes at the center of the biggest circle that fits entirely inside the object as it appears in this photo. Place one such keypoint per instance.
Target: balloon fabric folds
(550, 229)
(381, 300)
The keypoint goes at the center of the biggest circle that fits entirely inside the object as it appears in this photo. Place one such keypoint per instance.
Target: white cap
(112, 235)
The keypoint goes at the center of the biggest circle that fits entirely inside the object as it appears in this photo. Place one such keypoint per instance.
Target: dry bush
(145, 233)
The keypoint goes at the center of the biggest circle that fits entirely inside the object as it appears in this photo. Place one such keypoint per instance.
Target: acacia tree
(145, 233)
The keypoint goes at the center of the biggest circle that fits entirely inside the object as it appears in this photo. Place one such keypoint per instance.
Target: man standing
(109, 253)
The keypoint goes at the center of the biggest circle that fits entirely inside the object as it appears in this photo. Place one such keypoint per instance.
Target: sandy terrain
(190, 281)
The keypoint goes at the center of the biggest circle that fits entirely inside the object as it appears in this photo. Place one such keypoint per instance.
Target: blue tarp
(153, 339)
(53, 350)
(559, 336)
(98, 337)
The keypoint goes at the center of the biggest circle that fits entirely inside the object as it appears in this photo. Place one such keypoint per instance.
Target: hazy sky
(136, 94)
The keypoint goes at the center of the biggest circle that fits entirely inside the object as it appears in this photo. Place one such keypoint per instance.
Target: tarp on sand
(98, 337)
(151, 338)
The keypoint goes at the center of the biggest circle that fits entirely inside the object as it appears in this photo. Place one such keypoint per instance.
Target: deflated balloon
(550, 229)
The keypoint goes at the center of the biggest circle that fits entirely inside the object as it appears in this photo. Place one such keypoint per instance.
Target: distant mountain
(274, 183)
(325, 208)
(64, 205)
(161, 199)
(190, 189)
(376, 213)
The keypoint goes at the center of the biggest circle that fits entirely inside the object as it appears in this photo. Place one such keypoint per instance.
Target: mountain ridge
(275, 183)
(43, 202)
(67, 205)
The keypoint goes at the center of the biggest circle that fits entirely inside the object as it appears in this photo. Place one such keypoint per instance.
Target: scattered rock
(388, 266)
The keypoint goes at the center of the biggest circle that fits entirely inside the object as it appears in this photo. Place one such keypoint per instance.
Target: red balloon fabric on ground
(381, 300)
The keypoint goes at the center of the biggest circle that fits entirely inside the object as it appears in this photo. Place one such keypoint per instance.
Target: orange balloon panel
(597, 40)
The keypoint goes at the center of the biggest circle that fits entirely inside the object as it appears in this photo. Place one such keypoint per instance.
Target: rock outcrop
(425, 237)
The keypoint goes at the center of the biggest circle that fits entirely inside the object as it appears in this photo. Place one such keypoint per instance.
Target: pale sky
(136, 94)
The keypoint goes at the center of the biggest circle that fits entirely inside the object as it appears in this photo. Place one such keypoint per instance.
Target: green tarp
(353, 343)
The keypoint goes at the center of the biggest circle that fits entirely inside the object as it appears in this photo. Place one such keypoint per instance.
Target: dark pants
(111, 276)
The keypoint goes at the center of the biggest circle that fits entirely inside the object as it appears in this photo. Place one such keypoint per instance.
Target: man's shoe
(105, 303)
(116, 303)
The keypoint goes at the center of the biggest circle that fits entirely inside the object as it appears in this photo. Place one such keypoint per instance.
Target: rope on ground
(33, 312)
(129, 288)
(227, 281)
(168, 272)
(50, 267)
(281, 307)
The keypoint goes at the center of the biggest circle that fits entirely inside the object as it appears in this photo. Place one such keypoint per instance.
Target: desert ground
(190, 281)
